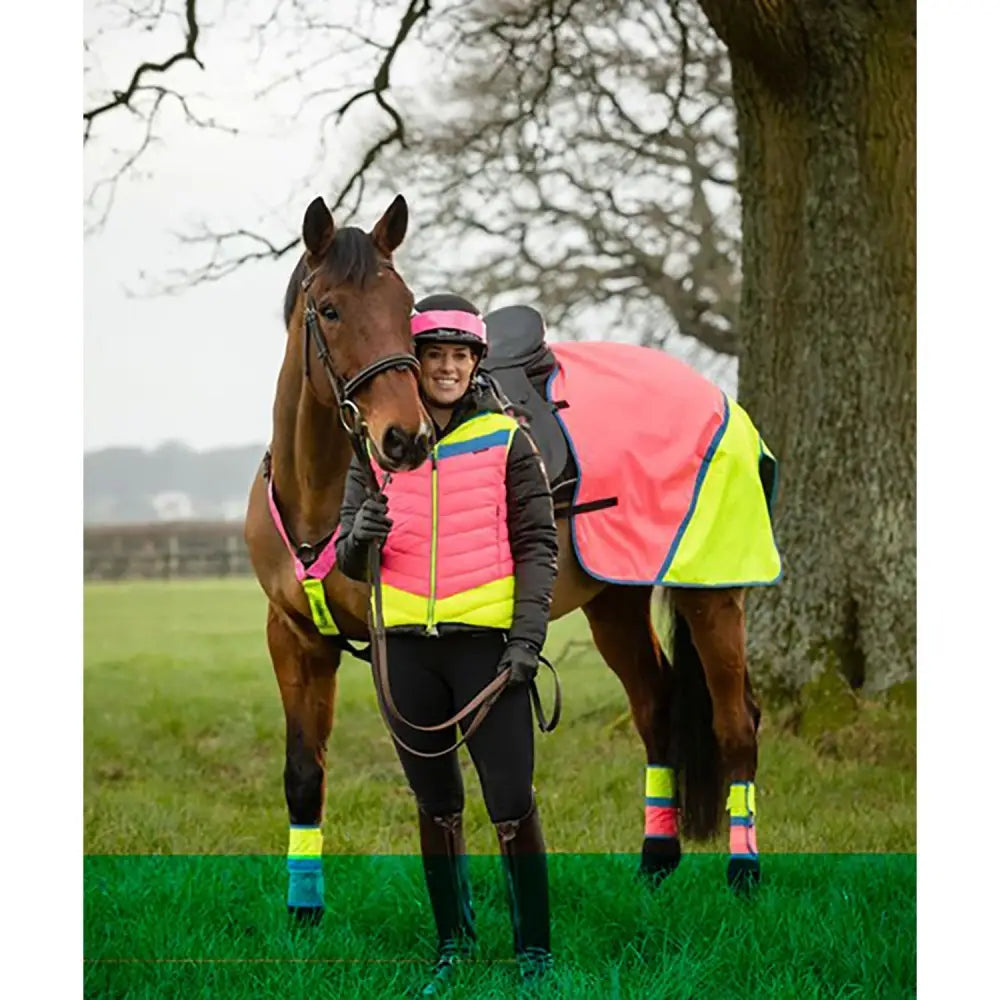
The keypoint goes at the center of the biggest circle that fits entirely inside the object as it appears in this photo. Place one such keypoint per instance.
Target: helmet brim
(450, 337)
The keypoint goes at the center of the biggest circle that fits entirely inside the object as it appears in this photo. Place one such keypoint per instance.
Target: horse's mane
(351, 257)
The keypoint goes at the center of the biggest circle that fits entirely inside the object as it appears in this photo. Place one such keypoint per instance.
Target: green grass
(184, 748)
(820, 926)
(184, 754)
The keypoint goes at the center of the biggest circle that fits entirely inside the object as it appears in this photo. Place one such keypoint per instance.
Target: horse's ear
(391, 228)
(317, 228)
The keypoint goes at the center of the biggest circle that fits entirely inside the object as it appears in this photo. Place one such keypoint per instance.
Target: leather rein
(357, 430)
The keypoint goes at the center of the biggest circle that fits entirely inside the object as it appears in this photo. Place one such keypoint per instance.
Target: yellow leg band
(305, 842)
(659, 782)
(742, 801)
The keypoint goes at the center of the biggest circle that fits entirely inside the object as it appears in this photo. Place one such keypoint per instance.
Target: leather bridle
(343, 389)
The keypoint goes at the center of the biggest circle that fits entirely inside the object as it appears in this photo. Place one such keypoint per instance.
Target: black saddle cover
(521, 362)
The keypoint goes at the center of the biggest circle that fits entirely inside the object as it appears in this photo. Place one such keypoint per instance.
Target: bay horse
(349, 357)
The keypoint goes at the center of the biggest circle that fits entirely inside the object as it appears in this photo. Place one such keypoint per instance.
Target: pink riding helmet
(449, 319)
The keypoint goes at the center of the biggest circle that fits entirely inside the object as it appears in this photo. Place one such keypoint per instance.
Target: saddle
(521, 363)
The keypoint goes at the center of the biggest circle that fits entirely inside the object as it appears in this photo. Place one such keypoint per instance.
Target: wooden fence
(164, 550)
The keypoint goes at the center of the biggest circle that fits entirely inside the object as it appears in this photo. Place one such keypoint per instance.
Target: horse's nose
(394, 444)
(403, 449)
(421, 446)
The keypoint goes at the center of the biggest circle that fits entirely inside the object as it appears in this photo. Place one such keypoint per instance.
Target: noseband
(343, 389)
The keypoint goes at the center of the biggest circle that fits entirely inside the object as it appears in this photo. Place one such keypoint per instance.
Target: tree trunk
(825, 94)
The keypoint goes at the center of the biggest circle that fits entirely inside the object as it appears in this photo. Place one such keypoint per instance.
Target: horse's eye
(330, 313)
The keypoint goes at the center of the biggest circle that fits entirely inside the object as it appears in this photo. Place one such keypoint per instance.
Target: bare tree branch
(102, 195)
(684, 59)
(416, 10)
(582, 158)
(580, 177)
(121, 98)
(222, 260)
(297, 74)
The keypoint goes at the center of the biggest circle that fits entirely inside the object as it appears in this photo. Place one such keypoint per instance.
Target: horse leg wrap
(744, 862)
(446, 869)
(661, 848)
(522, 850)
(305, 872)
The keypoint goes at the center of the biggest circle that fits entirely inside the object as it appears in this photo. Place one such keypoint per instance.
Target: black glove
(522, 658)
(371, 523)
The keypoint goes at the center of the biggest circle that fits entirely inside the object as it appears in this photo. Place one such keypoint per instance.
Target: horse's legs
(716, 620)
(307, 678)
(623, 633)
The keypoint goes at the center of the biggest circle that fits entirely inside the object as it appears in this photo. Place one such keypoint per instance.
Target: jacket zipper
(499, 545)
(431, 627)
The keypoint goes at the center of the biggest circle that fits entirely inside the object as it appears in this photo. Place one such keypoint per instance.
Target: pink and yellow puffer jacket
(448, 557)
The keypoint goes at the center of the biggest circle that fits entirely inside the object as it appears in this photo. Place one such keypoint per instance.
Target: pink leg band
(742, 839)
(661, 821)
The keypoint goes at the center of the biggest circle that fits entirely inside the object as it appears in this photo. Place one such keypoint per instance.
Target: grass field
(185, 832)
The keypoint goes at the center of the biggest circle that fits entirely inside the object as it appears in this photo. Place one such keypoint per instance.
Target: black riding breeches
(431, 679)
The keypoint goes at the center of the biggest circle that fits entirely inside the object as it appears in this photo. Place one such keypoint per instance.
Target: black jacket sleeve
(534, 543)
(352, 557)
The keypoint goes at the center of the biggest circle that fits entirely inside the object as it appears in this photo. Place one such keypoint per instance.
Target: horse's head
(358, 351)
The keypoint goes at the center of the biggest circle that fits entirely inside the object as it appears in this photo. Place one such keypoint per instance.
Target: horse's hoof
(743, 874)
(306, 916)
(660, 857)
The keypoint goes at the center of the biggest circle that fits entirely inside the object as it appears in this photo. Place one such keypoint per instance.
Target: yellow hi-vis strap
(321, 613)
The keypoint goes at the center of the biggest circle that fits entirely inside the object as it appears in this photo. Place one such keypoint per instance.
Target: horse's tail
(698, 759)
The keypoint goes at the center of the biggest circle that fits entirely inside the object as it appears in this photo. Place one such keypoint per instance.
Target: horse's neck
(310, 455)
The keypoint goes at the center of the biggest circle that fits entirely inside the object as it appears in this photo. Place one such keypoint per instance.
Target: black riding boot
(446, 869)
(522, 848)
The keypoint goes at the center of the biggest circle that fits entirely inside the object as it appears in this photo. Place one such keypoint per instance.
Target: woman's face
(445, 370)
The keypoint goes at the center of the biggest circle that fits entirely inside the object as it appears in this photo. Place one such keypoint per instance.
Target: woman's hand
(372, 522)
(522, 659)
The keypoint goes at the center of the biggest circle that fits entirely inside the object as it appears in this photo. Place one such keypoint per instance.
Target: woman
(469, 553)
